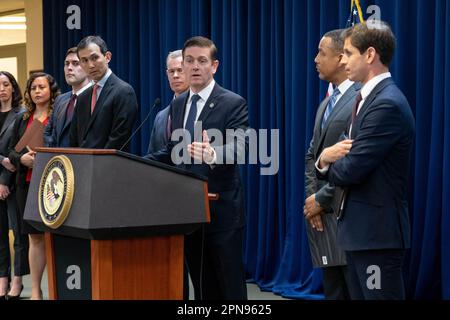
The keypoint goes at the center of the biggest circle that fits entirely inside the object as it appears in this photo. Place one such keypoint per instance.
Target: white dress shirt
(204, 96)
(343, 87)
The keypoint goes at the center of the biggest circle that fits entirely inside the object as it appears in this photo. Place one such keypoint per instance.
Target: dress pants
(8, 217)
(220, 264)
(335, 283)
(368, 283)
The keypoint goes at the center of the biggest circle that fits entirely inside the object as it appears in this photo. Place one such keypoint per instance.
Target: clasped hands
(312, 211)
(202, 151)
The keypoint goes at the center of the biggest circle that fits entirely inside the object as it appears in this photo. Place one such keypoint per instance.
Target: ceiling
(11, 5)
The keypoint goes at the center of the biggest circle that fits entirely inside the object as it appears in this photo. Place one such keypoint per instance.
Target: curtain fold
(266, 53)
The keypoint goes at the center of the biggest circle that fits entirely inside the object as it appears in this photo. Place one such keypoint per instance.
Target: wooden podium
(123, 236)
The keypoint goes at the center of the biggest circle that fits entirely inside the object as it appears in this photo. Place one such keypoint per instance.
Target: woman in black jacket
(40, 96)
(10, 109)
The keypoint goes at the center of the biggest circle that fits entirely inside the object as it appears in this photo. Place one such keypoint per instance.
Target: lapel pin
(211, 105)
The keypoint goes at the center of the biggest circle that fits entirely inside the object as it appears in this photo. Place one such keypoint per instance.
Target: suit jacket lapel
(379, 87)
(179, 110)
(337, 108)
(210, 104)
(60, 111)
(108, 87)
(23, 127)
(339, 105)
(318, 134)
(62, 123)
(9, 119)
(180, 103)
(64, 120)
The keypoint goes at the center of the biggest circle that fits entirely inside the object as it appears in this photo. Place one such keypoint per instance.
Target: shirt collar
(175, 96)
(102, 81)
(344, 86)
(372, 83)
(83, 89)
(205, 93)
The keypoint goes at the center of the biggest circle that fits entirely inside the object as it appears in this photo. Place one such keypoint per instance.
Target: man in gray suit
(57, 131)
(161, 127)
(331, 121)
(179, 84)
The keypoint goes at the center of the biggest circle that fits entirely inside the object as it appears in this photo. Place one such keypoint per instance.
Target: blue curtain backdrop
(266, 49)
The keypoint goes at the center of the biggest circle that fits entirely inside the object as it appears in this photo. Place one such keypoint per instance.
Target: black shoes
(4, 297)
(9, 297)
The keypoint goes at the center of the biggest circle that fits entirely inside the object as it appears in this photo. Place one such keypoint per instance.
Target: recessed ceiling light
(12, 19)
(13, 27)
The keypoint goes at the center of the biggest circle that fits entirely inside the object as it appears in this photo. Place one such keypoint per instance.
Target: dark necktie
(355, 110)
(70, 107)
(341, 192)
(190, 122)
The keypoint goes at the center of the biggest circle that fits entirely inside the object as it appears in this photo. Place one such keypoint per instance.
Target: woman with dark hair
(40, 96)
(10, 109)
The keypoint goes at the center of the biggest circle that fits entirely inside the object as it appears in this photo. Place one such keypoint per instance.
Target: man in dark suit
(373, 227)
(57, 131)
(105, 113)
(177, 81)
(214, 253)
(331, 121)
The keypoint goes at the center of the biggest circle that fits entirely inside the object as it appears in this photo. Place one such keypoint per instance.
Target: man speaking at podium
(105, 112)
(214, 254)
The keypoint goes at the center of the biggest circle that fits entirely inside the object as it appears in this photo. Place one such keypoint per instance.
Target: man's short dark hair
(337, 39)
(377, 34)
(201, 42)
(72, 50)
(85, 42)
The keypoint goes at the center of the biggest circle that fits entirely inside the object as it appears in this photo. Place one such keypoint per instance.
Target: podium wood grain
(51, 269)
(138, 269)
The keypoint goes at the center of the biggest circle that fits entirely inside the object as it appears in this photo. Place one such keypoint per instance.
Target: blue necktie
(192, 116)
(330, 106)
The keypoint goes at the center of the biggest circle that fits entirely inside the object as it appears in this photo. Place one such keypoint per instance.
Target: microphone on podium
(155, 104)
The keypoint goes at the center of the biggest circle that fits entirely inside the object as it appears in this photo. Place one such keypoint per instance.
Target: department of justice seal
(56, 191)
